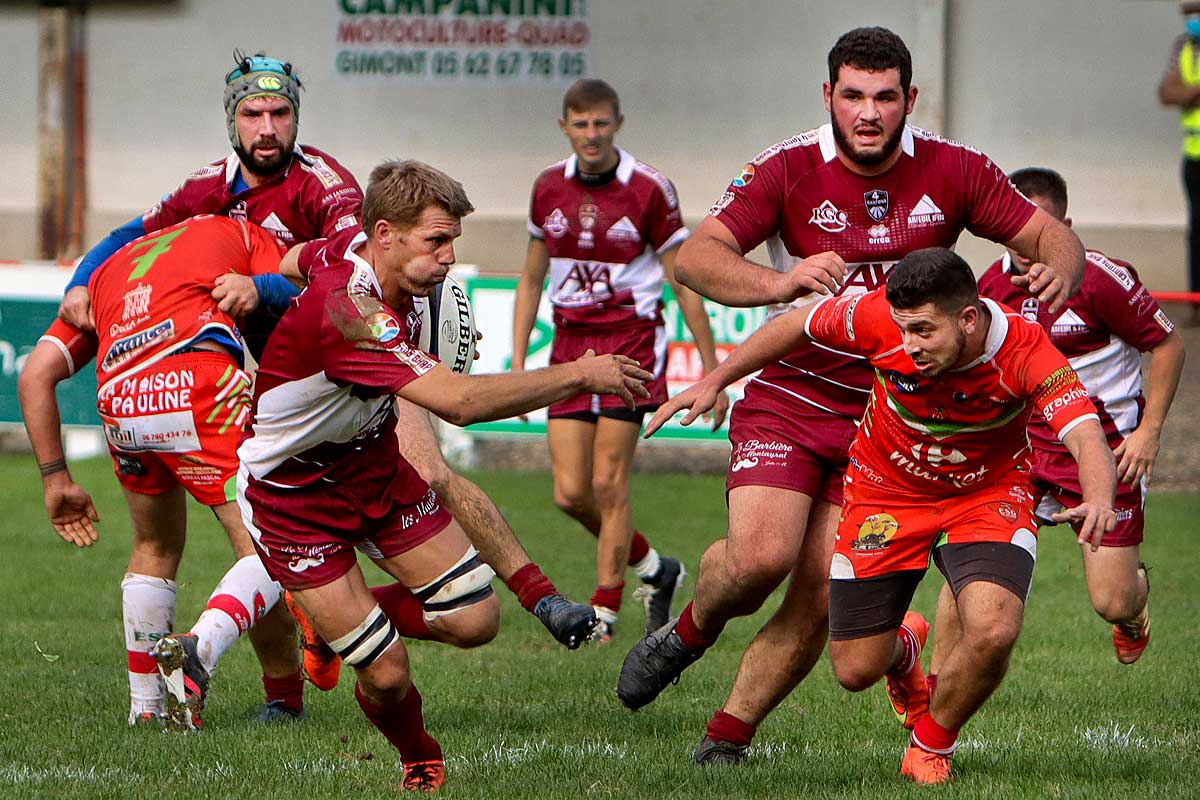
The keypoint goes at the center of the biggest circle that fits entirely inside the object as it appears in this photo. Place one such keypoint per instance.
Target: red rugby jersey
(801, 200)
(964, 428)
(606, 242)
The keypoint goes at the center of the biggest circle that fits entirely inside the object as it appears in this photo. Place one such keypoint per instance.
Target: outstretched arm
(691, 305)
(1058, 258)
(68, 505)
(769, 343)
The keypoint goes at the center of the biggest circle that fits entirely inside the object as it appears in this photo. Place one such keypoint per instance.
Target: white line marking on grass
(1113, 737)
(14, 773)
(502, 754)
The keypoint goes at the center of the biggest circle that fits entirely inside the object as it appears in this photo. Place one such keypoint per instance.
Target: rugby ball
(447, 326)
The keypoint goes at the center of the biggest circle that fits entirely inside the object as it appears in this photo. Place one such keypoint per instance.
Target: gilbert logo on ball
(447, 326)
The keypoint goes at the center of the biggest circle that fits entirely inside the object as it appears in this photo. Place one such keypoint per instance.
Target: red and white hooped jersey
(154, 295)
(964, 428)
(313, 198)
(606, 242)
(1102, 330)
(324, 389)
(800, 199)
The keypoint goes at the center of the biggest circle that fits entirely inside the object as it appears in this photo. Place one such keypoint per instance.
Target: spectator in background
(1180, 86)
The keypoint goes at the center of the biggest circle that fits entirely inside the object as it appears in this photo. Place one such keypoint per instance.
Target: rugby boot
(569, 623)
(653, 663)
(424, 776)
(658, 592)
(909, 693)
(185, 679)
(322, 666)
(718, 752)
(274, 712)
(1130, 638)
(922, 766)
(153, 719)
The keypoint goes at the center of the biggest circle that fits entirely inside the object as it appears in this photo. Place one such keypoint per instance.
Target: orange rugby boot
(322, 666)
(1130, 638)
(424, 776)
(909, 693)
(922, 766)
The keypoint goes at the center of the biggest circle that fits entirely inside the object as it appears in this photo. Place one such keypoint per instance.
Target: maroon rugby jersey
(606, 242)
(324, 409)
(313, 199)
(1102, 330)
(801, 200)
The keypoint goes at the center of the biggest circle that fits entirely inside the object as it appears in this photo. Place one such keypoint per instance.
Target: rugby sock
(403, 609)
(608, 597)
(402, 724)
(638, 548)
(930, 736)
(530, 585)
(288, 689)
(728, 728)
(240, 599)
(148, 612)
(910, 648)
(650, 567)
(693, 637)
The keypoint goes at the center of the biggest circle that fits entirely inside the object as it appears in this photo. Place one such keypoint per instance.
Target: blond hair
(399, 191)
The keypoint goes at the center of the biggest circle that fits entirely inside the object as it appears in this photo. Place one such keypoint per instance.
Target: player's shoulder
(207, 177)
(1104, 272)
(639, 172)
(552, 174)
(323, 167)
(935, 150)
(802, 147)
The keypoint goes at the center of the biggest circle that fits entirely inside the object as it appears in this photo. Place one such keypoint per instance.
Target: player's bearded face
(266, 134)
(935, 340)
(868, 111)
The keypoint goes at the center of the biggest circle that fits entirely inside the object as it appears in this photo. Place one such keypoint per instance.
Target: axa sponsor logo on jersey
(925, 213)
(123, 350)
(828, 218)
(753, 452)
(866, 276)
(586, 283)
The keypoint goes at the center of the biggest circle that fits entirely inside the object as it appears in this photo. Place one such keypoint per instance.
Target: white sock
(148, 611)
(649, 566)
(240, 599)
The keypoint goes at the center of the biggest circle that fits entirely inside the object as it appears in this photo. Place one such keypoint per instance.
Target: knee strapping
(362, 646)
(466, 583)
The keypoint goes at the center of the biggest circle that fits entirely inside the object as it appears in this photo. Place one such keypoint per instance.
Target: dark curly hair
(873, 50)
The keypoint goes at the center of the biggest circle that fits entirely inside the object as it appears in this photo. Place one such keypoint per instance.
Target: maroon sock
(530, 585)
(638, 548)
(402, 724)
(728, 728)
(403, 609)
(608, 596)
(289, 689)
(694, 637)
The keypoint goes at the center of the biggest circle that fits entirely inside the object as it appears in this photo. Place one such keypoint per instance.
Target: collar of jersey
(361, 266)
(829, 144)
(624, 166)
(997, 333)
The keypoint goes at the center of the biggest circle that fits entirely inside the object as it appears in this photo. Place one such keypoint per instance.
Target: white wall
(705, 86)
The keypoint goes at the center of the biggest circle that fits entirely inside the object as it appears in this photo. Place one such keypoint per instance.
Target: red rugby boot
(909, 693)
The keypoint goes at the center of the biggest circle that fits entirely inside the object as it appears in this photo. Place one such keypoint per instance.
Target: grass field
(524, 718)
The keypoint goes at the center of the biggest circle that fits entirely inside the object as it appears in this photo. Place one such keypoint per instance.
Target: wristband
(51, 467)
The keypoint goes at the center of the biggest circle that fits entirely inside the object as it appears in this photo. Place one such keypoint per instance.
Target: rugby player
(321, 472)
(837, 206)
(173, 396)
(606, 227)
(939, 469)
(1103, 331)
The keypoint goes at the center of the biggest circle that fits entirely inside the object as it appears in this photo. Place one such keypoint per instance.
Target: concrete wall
(705, 85)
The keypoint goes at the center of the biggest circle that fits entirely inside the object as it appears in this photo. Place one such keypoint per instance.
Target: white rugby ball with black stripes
(448, 326)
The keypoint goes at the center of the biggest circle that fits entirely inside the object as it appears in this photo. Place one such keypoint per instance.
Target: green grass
(524, 718)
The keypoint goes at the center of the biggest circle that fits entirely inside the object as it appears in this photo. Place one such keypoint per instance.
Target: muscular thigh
(572, 443)
(616, 440)
(767, 526)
